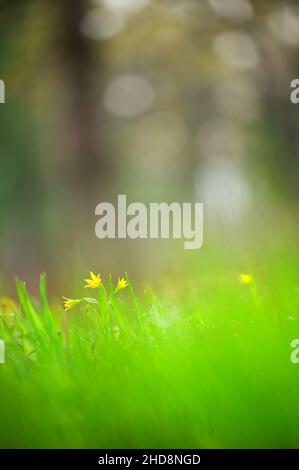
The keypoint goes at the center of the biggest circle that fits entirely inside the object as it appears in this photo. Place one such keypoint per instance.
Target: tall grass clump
(116, 369)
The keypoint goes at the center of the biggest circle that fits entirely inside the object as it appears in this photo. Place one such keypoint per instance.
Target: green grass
(208, 369)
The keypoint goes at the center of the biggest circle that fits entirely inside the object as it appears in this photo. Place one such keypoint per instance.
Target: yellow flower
(7, 306)
(121, 284)
(94, 281)
(8, 310)
(70, 303)
(246, 279)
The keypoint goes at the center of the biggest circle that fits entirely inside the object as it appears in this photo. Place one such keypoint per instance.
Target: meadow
(207, 367)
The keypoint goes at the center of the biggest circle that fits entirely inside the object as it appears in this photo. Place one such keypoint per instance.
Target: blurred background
(163, 100)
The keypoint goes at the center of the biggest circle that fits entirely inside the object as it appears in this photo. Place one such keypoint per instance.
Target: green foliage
(210, 370)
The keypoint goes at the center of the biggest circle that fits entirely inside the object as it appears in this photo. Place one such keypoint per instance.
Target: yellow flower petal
(121, 284)
(70, 303)
(246, 279)
(94, 282)
(94, 277)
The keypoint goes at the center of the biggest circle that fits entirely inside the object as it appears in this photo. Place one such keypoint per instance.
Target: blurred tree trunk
(88, 163)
